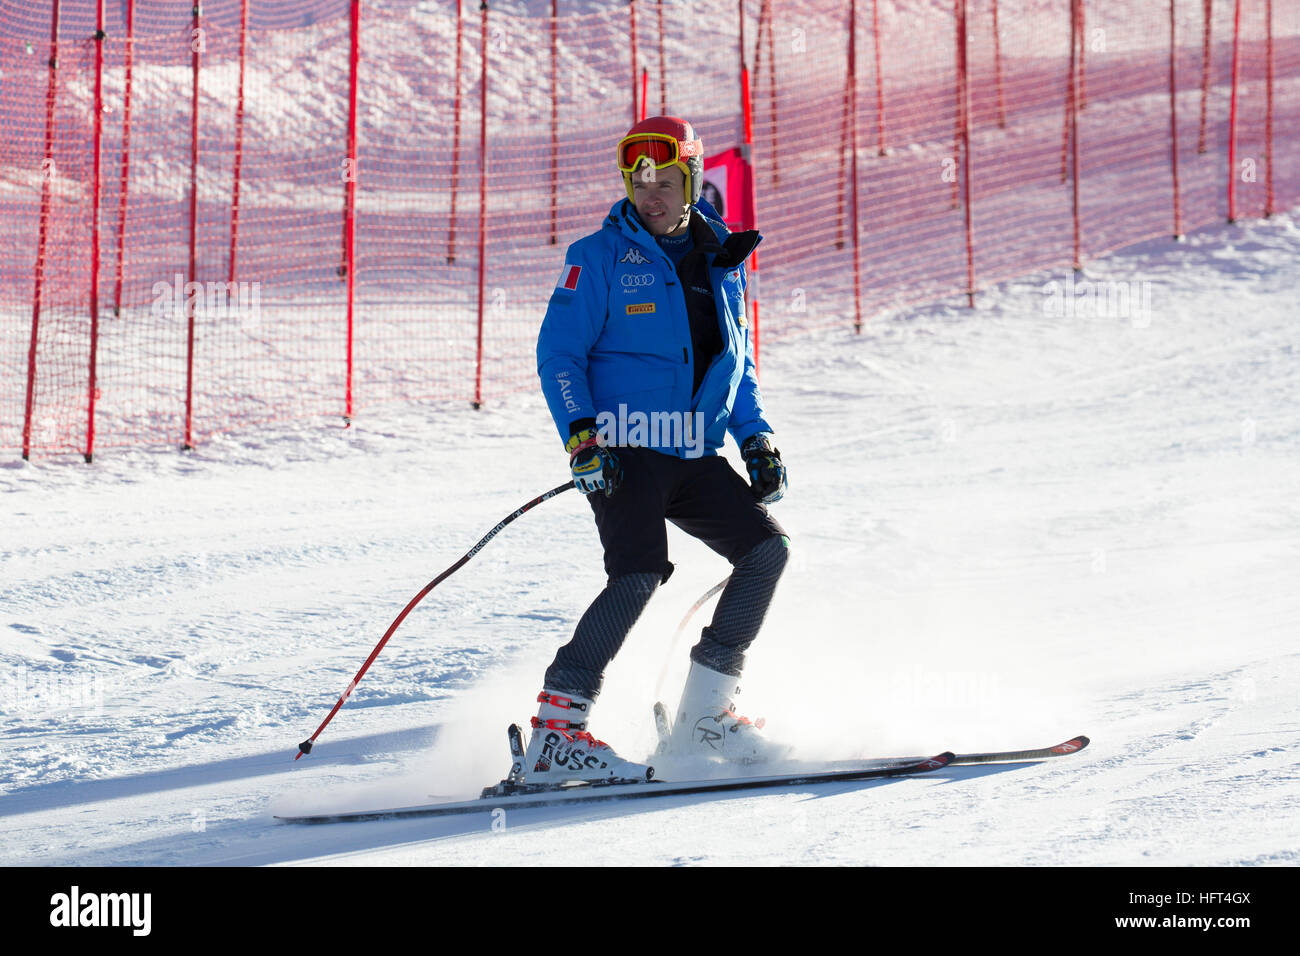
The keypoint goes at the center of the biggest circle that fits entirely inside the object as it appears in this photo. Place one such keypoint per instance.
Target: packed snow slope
(1011, 524)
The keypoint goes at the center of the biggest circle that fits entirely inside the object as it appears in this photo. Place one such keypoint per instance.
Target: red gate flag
(728, 186)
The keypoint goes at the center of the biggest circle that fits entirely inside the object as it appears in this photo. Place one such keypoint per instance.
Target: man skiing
(646, 365)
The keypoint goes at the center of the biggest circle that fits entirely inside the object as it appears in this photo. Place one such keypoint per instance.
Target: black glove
(766, 473)
(594, 467)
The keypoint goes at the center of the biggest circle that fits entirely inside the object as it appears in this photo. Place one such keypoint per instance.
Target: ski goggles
(661, 150)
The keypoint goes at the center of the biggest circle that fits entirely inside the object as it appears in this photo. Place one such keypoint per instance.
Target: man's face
(660, 200)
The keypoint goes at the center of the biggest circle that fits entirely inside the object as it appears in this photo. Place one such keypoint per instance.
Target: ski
(581, 793)
(1064, 749)
(521, 796)
(795, 766)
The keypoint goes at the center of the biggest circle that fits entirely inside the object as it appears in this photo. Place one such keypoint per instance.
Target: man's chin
(661, 225)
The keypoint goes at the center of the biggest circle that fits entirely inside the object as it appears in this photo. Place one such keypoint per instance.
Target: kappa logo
(635, 256)
(631, 280)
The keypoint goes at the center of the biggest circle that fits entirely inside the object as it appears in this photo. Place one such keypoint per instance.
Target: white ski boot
(561, 751)
(706, 723)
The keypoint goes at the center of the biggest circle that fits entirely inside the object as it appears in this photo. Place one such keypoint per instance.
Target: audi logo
(637, 278)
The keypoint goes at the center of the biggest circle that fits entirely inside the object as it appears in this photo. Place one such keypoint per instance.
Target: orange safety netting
(298, 210)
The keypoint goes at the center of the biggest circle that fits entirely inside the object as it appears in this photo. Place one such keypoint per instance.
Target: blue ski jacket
(615, 344)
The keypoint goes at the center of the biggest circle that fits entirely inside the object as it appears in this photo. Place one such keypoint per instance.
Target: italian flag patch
(569, 277)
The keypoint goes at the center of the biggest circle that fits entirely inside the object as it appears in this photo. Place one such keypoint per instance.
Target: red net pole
(353, 171)
(1074, 132)
(851, 86)
(881, 148)
(126, 155)
(645, 84)
(1268, 109)
(555, 116)
(747, 112)
(98, 138)
(631, 33)
(663, 67)
(47, 173)
(963, 75)
(1069, 104)
(746, 115)
(239, 138)
(196, 46)
(1083, 50)
(1173, 118)
(1232, 115)
(455, 139)
(1208, 8)
(997, 67)
(960, 104)
(846, 137)
(765, 21)
(482, 204)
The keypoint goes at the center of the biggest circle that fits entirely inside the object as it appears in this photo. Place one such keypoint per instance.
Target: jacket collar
(706, 240)
(704, 231)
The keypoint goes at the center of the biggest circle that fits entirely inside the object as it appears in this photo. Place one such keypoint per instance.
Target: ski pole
(306, 745)
(663, 672)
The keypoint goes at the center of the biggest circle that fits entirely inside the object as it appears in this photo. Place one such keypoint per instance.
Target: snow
(1009, 527)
